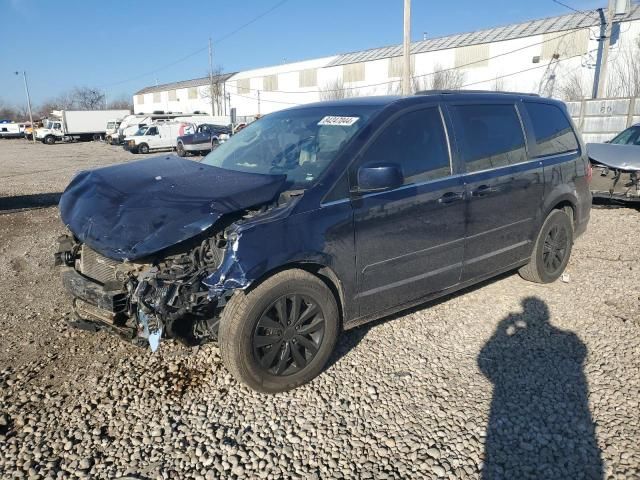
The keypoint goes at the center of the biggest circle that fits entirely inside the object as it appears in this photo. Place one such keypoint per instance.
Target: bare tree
(498, 85)
(573, 88)
(336, 90)
(440, 79)
(445, 79)
(8, 112)
(122, 103)
(624, 77)
(87, 98)
(215, 90)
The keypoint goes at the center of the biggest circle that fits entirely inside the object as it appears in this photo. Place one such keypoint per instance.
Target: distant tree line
(78, 98)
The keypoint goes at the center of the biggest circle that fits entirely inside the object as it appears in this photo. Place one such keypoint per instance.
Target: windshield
(299, 143)
(629, 136)
(141, 131)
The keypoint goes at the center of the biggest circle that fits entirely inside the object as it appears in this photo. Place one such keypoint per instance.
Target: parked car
(321, 217)
(630, 136)
(617, 167)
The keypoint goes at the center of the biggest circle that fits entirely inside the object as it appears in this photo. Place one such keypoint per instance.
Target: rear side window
(490, 136)
(416, 141)
(553, 131)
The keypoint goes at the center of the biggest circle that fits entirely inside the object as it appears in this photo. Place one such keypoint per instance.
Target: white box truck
(76, 125)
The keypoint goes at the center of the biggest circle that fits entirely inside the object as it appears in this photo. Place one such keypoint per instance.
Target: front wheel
(49, 140)
(552, 249)
(281, 334)
(143, 148)
(180, 150)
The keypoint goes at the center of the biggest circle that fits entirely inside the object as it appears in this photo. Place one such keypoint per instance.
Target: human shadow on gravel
(540, 425)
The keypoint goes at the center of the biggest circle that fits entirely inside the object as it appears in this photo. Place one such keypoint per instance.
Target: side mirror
(378, 177)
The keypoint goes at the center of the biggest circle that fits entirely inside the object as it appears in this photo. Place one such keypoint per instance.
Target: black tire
(254, 339)
(49, 140)
(552, 249)
(97, 137)
(180, 150)
(215, 143)
(143, 148)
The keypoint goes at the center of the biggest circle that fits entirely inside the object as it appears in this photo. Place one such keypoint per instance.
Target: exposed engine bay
(150, 298)
(616, 172)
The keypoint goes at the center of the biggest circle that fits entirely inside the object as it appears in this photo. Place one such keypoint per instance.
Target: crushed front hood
(129, 211)
(621, 157)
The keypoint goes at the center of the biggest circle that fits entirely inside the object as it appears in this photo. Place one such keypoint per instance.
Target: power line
(590, 14)
(519, 71)
(217, 40)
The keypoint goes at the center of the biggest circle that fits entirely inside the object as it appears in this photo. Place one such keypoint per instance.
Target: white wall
(545, 77)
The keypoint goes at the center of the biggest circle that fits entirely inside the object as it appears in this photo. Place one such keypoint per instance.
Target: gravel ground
(505, 380)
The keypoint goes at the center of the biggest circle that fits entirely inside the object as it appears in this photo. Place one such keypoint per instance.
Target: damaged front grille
(97, 267)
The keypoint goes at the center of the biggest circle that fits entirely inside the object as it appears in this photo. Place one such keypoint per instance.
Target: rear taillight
(589, 172)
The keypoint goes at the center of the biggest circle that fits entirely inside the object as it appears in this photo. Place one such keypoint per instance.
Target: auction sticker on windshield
(340, 121)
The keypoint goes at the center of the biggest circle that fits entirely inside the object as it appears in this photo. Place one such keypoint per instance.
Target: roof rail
(452, 92)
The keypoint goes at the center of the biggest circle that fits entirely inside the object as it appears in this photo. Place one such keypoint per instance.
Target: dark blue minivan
(321, 217)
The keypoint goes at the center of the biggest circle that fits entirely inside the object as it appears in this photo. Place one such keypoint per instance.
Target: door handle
(484, 190)
(450, 197)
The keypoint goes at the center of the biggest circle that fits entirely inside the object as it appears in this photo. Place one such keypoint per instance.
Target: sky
(121, 46)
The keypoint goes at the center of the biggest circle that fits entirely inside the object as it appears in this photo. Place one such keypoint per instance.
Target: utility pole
(26, 89)
(406, 45)
(600, 75)
(213, 112)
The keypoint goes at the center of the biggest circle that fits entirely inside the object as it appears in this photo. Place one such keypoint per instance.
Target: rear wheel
(280, 334)
(180, 150)
(143, 148)
(552, 249)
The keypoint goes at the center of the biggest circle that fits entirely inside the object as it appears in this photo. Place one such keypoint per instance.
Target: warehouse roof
(195, 82)
(571, 21)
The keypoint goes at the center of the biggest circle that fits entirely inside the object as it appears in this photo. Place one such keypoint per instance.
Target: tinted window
(490, 136)
(553, 131)
(416, 141)
(152, 131)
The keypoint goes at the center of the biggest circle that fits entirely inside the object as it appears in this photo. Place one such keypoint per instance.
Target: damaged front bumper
(180, 296)
(615, 184)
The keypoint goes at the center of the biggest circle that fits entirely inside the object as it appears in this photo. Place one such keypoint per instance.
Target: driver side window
(152, 131)
(417, 143)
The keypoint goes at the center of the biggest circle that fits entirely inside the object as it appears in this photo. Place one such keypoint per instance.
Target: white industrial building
(552, 56)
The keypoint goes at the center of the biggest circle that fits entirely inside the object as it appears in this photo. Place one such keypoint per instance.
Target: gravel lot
(506, 380)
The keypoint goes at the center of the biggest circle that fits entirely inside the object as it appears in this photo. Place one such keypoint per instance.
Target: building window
(270, 83)
(565, 45)
(156, 97)
(353, 72)
(308, 78)
(472, 56)
(172, 96)
(193, 93)
(139, 99)
(244, 86)
(395, 66)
